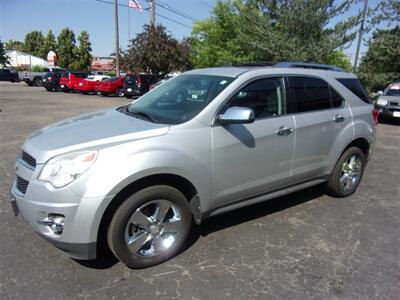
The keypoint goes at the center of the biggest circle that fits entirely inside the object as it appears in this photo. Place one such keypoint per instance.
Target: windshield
(392, 92)
(180, 99)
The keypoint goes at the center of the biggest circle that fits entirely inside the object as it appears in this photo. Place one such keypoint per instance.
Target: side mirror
(237, 115)
(379, 93)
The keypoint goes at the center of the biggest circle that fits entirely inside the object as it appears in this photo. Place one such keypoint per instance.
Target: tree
(33, 43)
(217, 40)
(340, 59)
(66, 48)
(83, 56)
(154, 50)
(13, 45)
(278, 30)
(3, 57)
(381, 64)
(49, 44)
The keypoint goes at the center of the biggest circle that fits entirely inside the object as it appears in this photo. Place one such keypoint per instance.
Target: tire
(119, 93)
(147, 241)
(48, 89)
(346, 176)
(37, 81)
(129, 96)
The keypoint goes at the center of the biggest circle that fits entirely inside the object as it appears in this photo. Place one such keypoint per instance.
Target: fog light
(55, 222)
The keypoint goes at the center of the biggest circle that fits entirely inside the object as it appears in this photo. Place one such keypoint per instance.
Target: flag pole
(129, 25)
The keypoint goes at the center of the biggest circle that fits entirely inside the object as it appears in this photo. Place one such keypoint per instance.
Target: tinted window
(310, 93)
(355, 87)
(264, 97)
(337, 100)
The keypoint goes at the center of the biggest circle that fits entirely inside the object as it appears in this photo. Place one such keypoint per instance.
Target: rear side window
(309, 93)
(355, 87)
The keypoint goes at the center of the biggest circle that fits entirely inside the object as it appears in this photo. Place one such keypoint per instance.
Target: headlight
(63, 169)
(382, 102)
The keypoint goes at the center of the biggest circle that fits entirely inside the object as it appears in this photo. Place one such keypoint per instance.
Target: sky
(17, 17)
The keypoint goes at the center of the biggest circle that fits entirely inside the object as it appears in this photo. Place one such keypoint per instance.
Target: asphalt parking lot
(304, 245)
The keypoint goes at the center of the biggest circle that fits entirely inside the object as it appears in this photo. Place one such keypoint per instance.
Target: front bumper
(392, 111)
(40, 200)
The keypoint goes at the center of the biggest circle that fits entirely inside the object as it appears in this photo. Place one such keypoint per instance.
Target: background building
(24, 61)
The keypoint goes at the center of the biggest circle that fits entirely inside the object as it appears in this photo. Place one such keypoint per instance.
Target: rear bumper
(132, 93)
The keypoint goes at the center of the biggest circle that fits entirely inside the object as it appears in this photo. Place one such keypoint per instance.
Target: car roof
(269, 70)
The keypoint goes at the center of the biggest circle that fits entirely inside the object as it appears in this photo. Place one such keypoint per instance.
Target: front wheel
(347, 174)
(150, 227)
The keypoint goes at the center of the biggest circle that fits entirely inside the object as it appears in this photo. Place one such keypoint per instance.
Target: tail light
(49, 78)
(375, 114)
(139, 81)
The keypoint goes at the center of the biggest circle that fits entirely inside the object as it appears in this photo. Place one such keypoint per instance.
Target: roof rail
(293, 64)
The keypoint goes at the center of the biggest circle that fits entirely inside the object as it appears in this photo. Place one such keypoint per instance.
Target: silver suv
(208, 141)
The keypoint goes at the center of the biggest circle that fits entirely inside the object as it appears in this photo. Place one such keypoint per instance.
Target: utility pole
(152, 13)
(116, 39)
(360, 33)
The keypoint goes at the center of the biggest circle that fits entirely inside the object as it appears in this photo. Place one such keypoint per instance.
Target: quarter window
(337, 100)
(264, 96)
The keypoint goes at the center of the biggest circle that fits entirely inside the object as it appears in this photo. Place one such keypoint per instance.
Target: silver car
(134, 178)
(388, 103)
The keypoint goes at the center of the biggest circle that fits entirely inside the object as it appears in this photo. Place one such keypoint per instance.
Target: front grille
(21, 185)
(394, 103)
(28, 159)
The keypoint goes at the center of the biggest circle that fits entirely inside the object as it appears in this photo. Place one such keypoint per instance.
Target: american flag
(135, 4)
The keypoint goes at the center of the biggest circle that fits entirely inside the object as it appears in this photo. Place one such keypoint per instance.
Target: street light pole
(360, 33)
(116, 39)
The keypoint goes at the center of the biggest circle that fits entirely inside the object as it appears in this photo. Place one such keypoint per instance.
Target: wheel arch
(180, 183)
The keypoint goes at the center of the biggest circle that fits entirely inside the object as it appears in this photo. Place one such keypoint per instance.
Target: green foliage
(66, 49)
(111, 74)
(49, 44)
(13, 45)
(3, 57)
(155, 51)
(33, 43)
(381, 64)
(340, 59)
(83, 56)
(37, 68)
(280, 30)
(217, 41)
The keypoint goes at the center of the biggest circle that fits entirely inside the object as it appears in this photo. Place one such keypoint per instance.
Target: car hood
(98, 129)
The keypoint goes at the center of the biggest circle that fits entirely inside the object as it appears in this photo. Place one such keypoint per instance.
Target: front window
(179, 99)
(392, 91)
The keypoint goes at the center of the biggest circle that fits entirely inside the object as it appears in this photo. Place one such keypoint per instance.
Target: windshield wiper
(142, 114)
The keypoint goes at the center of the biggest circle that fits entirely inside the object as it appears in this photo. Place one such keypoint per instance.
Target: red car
(69, 80)
(88, 85)
(111, 86)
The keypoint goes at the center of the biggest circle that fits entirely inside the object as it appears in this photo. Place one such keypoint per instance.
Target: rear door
(252, 159)
(320, 115)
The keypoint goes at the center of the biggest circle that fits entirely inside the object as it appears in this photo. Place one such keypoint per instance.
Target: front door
(252, 159)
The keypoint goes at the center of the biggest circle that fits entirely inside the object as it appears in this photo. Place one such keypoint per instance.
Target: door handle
(283, 130)
(338, 118)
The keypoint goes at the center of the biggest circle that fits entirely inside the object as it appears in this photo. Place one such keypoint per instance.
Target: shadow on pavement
(213, 224)
(389, 121)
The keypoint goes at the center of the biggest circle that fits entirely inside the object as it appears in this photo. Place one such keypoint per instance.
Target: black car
(136, 85)
(8, 75)
(50, 80)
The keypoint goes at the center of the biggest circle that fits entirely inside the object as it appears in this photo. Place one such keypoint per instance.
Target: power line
(205, 3)
(146, 9)
(176, 11)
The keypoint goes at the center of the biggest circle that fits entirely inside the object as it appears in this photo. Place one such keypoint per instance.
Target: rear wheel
(150, 227)
(347, 173)
(37, 81)
(119, 93)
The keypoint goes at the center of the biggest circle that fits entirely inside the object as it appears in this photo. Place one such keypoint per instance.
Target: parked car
(51, 80)
(69, 80)
(136, 85)
(8, 75)
(35, 78)
(111, 86)
(206, 142)
(388, 103)
(88, 85)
